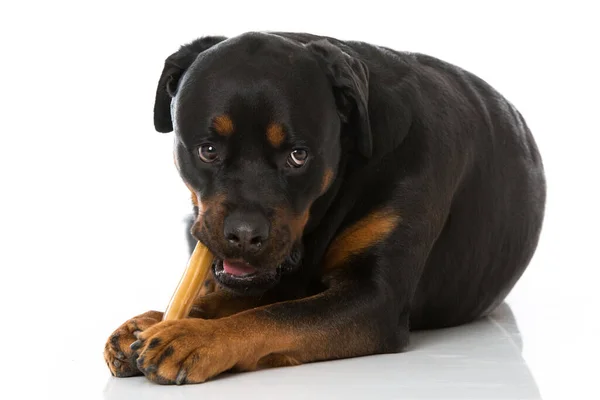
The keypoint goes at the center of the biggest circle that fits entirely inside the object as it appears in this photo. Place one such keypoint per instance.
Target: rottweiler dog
(350, 193)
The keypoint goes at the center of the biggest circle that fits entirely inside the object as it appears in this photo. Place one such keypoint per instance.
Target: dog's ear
(175, 66)
(350, 79)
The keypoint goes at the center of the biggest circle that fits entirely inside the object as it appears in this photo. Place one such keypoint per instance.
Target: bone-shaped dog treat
(190, 284)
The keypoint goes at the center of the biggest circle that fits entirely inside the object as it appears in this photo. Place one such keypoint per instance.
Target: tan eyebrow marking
(275, 134)
(223, 125)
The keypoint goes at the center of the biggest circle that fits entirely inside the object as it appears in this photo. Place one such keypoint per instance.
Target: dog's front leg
(223, 303)
(349, 319)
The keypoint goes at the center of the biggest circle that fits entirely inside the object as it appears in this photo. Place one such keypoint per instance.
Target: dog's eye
(207, 153)
(297, 158)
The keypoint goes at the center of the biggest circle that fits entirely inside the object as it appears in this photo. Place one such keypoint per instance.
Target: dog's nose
(246, 230)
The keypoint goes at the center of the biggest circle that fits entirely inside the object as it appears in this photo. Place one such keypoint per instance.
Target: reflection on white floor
(481, 360)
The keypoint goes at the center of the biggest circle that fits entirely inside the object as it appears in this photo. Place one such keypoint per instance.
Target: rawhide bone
(190, 284)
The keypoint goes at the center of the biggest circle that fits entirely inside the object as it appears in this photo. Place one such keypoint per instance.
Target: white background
(91, 206)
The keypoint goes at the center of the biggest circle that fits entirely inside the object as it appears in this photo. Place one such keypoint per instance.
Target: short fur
(420, 205)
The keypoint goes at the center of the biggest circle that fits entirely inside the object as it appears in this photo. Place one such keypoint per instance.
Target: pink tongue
(238, 268)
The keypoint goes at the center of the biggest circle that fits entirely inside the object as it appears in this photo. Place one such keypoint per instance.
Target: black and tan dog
(350, 193)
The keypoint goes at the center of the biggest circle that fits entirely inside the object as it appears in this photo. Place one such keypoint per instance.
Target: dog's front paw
(185, 351)
(119, 357)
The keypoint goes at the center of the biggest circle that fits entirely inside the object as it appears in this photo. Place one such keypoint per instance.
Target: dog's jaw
(255, 281)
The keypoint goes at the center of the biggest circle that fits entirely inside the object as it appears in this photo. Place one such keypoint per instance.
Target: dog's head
(258, 121)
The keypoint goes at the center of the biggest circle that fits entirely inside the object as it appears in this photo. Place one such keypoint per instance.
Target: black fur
(409, 132)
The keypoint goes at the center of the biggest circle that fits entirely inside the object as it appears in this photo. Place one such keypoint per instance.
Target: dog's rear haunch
(348, 192)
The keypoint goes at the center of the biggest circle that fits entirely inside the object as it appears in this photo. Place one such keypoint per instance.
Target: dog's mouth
(240, 276)
(238, 268)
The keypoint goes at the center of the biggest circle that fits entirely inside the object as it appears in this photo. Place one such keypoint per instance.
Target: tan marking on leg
(362, 235)
(276, 361)
(269, 342)
(223, 303)
(117, 353)
(249, 340)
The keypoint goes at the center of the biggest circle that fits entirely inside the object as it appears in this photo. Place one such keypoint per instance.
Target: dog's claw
(120, 355)
(180, 380)
(117, 363)
(135, 345)
(151, 368)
